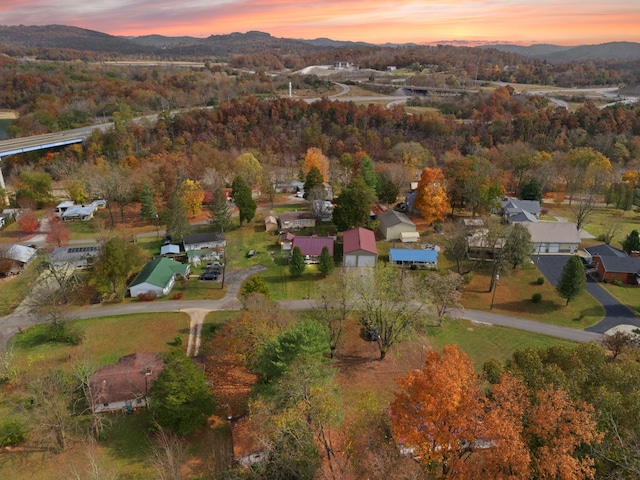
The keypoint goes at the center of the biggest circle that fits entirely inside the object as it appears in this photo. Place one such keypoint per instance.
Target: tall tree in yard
(219, 211)
(28, 222)
(431, 197)
(180, 397)
(315, 158)
(148, 211)
(175, 218)
(631, 242)
(438, 411)
(191, 194)
(313, 180)
(296, 263)
(517, 245)
(241, 194)
(572, 280)
(58, 233)
(353, 205)
(386, 300)
(326, 262)
(119, 259)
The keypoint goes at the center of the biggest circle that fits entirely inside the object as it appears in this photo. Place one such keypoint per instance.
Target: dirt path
(195, 329)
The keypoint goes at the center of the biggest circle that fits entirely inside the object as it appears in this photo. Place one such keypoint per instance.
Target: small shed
(359, 248)
(286, 241)
(270, 223)
(403, 257)
(409, 237)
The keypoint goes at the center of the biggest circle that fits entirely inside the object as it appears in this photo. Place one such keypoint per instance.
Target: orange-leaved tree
(431, 197)
(438, 412)
(315, 158)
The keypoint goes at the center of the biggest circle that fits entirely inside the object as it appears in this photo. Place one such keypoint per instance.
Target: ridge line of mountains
(75, 38)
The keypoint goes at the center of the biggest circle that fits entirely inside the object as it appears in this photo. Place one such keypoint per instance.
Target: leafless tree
(167, 454)
(333, 308)
(582, 209)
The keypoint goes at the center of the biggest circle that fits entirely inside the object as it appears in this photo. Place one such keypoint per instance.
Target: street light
(157, 226)
(495, 287)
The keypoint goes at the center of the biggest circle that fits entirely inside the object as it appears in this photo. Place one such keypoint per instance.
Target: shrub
(177, 296)
(60, 332)
(540, 281)
(437, 228)
(149, 296)
(12, 433)
(617, 282)
(536, 297)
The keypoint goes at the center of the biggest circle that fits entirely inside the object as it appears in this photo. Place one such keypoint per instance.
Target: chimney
(634, 254)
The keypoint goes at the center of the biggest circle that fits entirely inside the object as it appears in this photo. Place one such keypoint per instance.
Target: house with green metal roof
(159, 276)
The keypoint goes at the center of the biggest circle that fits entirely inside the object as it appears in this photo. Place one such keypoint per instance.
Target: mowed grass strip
(484, 342)
(513, 297)
(106, 339)
(629, 296)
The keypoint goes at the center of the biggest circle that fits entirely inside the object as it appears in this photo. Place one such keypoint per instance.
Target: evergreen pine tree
(572, 280)
(632, 242)
(296, 263)
(175, 218)
(313, 180)
(148, 210)
(219, 211)
(241, 194)
(326, 262)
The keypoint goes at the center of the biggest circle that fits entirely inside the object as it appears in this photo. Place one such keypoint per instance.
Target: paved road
(615, 312)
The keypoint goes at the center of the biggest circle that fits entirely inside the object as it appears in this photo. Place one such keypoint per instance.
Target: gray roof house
(394, 223)
(198, 241)
(515, 210)
(553, 237)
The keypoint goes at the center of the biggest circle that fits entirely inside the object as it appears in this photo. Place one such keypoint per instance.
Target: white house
(158, 276)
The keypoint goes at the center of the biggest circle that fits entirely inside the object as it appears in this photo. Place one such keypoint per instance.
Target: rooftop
(359, 239)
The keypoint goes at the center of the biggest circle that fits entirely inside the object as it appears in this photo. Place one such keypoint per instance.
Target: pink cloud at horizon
(421, 21)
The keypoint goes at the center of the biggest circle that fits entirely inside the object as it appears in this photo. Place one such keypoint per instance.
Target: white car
(300, 194)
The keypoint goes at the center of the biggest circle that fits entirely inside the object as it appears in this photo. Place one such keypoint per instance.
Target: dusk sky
(562, 22)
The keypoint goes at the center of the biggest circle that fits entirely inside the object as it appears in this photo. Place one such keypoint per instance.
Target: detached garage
(359, 248)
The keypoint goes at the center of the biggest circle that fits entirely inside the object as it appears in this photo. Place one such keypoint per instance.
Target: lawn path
(195, 329)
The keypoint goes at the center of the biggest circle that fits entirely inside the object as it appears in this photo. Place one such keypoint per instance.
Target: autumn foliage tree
(191, 194)
(315, 158)
(58, 233)
(517, 431)
(431, 197)
(28, 222)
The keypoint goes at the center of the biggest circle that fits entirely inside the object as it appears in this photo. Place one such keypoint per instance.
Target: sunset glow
(569, 22)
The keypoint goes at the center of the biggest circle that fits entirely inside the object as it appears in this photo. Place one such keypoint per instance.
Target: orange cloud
(569, 22)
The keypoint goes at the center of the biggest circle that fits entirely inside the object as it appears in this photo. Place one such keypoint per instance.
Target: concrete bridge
(15, 146)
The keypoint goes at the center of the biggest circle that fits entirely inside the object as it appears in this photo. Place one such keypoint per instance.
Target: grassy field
(513, 297)
(14, 289)
(483, 342)
(600, 219)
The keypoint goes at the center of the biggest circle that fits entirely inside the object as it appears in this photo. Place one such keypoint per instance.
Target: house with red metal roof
(311, 247)
(359, 248)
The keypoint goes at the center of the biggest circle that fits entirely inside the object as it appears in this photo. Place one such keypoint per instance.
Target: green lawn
(483, 342)
(513, 297)
(106, 339)
(13, 290)
(600, 219)
(629, 296)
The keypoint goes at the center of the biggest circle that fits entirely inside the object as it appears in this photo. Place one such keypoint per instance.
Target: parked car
(208, 276)
(215, 264)
(251, 253)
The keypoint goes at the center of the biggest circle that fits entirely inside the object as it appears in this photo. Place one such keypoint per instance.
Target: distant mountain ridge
(253, 42)
(557, 54)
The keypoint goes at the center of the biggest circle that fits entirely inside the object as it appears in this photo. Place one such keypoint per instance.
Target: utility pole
(495, 287)
(3, 187)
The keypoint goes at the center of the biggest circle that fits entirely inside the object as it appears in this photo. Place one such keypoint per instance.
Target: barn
(359, 248)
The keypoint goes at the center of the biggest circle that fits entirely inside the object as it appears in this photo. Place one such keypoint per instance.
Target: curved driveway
(615, 312)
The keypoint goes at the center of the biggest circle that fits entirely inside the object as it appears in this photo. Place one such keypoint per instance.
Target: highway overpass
(16, 146)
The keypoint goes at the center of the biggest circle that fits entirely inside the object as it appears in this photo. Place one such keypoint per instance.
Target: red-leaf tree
(28, 222)
(58, 233)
